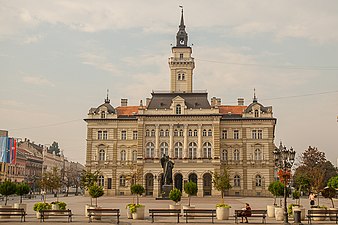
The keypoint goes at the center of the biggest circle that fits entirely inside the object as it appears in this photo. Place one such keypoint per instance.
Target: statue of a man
(167, 166)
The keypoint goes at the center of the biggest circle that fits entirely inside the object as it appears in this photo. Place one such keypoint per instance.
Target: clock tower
(181, 63)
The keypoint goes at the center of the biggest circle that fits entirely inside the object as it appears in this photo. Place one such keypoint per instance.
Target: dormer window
(178, 109)
(103, 115)
(256, 113)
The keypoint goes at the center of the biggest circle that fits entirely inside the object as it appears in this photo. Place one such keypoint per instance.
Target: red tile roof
(127, 110)
(235, 109)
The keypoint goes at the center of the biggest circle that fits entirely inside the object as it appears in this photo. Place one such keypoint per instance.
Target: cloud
(33, 39)
(99, 62)
(36, 80)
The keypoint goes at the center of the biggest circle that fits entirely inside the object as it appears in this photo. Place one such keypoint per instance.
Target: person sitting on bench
(246, 212)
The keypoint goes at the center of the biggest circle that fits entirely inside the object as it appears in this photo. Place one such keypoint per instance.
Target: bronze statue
(167, 166)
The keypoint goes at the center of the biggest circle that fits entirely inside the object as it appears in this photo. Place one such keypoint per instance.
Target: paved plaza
(77, 204)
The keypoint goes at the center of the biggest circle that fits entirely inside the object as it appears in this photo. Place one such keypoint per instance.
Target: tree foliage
(89, 178)
(330, 193)
(333, 182)
(96, 191)
(191, 189)
(276, 188)
(222, 182)
(7, 188)
(54, 148)
(314, 170)
(137, 189)
(22, 189)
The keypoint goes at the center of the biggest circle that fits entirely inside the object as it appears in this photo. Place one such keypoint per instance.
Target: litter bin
(297, 217)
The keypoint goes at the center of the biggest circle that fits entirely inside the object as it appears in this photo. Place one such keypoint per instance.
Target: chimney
(213, 102)
(124, 102)
(219, 101)
(240, 101)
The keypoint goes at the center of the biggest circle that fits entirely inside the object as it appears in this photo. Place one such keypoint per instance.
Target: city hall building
(125, 143)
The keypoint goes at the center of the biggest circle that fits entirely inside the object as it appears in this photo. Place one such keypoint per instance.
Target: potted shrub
(175, 195)
(222, 183)
(137, 210)
(21, 189)
(330, 193)
(190, 188)
(41, 206)
(276, 188)
(59, 205)
(128, 207)
(87, 180)
(95, 191)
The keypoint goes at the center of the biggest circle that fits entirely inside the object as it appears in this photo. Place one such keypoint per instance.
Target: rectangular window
(236, 134)
(109, 183)
(224, 134)
(105, 135)
(134, 135)
(123, 135)
(99, 135)
(254, 134)
(260, 134)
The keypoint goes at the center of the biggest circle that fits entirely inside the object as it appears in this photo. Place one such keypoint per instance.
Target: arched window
(190, 133)
(164, 149)
(256, 113)
(192, 150)
(167, 133)
(153, 133)
(101, 181)
(102, 155)
(122, 181)
(258, 154)
(179, 76)
(204, 133)
(150, 150)
(209, 132)
(181, 133)
(237, 181)
(178, 109)
(195, 133)
(161, 133)
(103, 115)
(207, 150)
(123, 155)
(147, 133)
(175, 132)
(236, 154)
(134, 155)
(183, 76)
(258, 181)
(178, 150)
(224, 155)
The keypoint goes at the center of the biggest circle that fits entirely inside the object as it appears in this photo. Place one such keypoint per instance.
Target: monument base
(166, 190)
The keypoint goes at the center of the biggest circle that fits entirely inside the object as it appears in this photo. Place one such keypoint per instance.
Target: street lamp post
(284, 159)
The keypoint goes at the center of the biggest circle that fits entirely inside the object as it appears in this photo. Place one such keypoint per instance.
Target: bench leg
(178, 218)
(152, 217)
(118, 218)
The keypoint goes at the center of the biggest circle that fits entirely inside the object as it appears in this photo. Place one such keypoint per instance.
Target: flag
(11, 151)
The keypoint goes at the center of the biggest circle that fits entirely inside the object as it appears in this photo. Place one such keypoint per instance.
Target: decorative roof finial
(254, 98)
(182, 20)
(181, 36)
(107, 100)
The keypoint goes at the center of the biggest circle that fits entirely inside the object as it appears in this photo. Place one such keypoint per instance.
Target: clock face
(182, 42)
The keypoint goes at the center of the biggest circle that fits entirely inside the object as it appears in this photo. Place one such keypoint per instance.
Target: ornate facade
(125, 143)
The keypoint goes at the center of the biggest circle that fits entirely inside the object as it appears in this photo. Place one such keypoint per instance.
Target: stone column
(155, 187)
(171, 140)
(157, 141)
(199, 144)
(200, 187)
(185, 141)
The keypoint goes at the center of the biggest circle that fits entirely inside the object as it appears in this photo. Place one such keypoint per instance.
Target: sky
(58, 58)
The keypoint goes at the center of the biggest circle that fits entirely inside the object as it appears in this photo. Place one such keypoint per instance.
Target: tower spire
(182, 36)
(254, 98)
(107, 100)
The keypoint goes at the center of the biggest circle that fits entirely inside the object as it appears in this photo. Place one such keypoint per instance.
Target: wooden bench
(191, 213)
(165, 212)
(103, 212)
(13, 212)
(322, 213)
(254, 213)
(46, 213)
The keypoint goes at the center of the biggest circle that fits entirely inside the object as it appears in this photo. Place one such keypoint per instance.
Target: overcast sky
(58, 58)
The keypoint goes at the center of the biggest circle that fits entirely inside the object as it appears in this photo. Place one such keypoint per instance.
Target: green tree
(22, 189)
(51, 180)
(96, 191)
(175, 195)
(7, 188)
(330, 193)
(88, 179)
(191, 189)
(333, 182)
(54, 148)
(276, 188)
(137, 189)
(222, 182)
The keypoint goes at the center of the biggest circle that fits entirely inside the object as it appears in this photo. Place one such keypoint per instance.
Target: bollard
(297, 217)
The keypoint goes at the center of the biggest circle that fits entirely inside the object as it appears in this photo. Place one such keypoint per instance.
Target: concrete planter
(222, 213)
(129, 214)
(139, 214)
(271, 210)
(176, 206)
(279, 214)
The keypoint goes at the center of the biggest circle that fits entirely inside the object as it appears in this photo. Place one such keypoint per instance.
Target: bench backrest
(56, 210)
(317, 211)
(103, 210)
(199, 210)
(164, 210)
(253, 211)
(12, 210)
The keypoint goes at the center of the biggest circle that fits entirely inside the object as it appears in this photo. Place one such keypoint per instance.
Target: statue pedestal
(166, 188)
